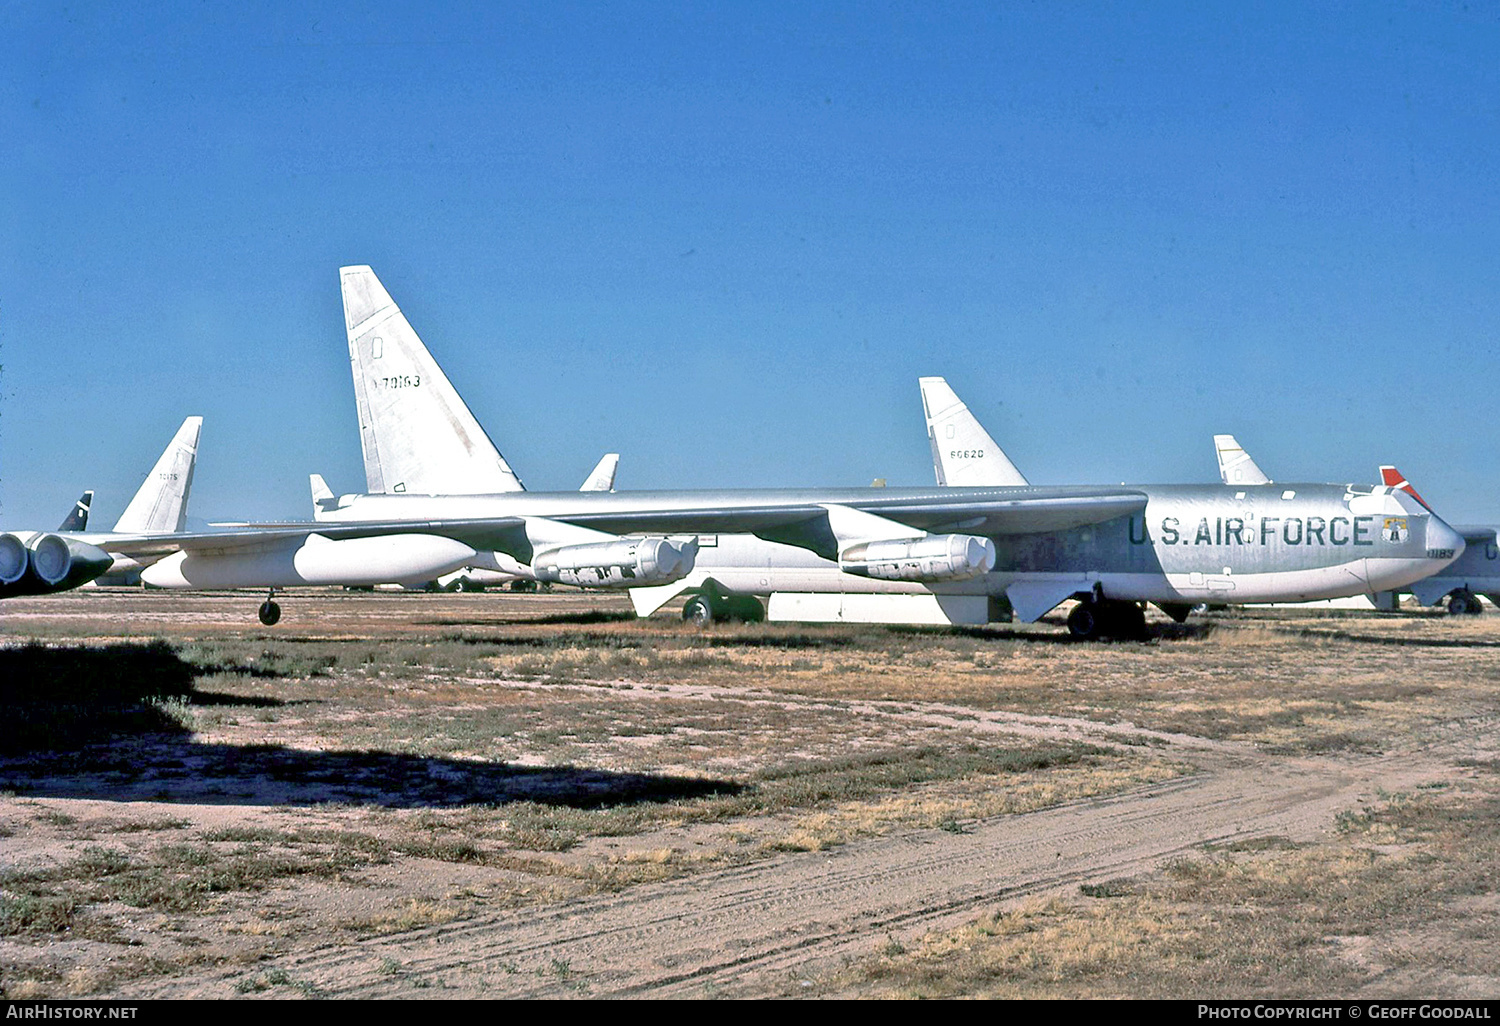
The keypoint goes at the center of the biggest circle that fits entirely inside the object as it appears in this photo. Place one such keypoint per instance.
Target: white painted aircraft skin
(1036, 546)
(416, 433)
(1235, 465)
(43, 562)
(160, 505)
(1090, 535)
(963, 453)
(1476, 571)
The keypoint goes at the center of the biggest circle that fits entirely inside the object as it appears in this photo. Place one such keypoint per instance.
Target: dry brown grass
(1402, 894)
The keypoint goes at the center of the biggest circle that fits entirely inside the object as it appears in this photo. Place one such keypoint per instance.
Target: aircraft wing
(1030, 511)
(1012, 512)
(481, 533)
(801, 522)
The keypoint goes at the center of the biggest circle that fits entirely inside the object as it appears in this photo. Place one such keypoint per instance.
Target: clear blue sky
(725, 240)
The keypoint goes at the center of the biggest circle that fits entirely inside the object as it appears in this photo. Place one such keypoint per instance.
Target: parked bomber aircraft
(1111, 547)
(38, 564)
(1476, 572)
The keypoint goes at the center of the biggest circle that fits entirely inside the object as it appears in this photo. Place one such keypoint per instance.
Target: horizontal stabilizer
(161, 503)
(963, 453)
(1235, 465)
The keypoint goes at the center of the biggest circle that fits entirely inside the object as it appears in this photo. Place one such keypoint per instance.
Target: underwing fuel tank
(935, 557)
(627, 563)
(385, 559)
(40, 564)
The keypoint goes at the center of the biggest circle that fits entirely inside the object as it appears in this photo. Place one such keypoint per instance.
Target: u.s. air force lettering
(1221, 531)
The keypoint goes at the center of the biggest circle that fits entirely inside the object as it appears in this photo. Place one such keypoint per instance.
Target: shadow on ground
(102, 722)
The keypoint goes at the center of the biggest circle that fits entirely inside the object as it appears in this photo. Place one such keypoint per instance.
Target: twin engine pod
(315, 559)
(39, 564)
(627, 563)
(935, 557)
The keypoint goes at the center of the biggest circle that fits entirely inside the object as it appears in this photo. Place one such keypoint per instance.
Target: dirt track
(747, 931)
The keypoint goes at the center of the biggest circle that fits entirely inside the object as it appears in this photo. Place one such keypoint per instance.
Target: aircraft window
(377, 347)
(1239, 495)
(950, 430)
(1288, 494)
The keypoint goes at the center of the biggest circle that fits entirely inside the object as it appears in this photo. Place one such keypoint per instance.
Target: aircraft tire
(1128, 621)
(699, 611)
(270, 612)
(745, 608)
(1084, 621)
(1461, 603)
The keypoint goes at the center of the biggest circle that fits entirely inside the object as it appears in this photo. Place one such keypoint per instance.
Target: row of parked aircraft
(983, 544)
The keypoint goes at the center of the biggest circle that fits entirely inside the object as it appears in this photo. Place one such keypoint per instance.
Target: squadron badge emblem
(1395, 530)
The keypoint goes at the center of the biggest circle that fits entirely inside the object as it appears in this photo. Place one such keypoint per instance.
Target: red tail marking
(1395, 479)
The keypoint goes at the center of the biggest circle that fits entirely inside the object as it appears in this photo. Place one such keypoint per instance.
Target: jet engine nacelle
(935, 557)
(385, 559)
(39, 564)
(627, 563)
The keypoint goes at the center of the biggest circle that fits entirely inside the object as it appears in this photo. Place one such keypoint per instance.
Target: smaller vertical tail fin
(323, 499)
(78, 520)
(963, 453)
(1235, 465)
(602, 477)
(161, 503)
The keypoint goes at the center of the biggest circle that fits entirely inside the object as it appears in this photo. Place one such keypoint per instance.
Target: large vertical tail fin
(602, 477)
(963, 453)
(78, 520)
(1235, 465)
(161, 503)
(418, 436)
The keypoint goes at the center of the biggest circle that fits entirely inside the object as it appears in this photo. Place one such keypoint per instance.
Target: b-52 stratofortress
(40, 563)
(1111, 548)
(1476, 572)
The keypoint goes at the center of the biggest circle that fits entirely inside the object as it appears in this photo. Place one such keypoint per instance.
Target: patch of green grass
(37, 913)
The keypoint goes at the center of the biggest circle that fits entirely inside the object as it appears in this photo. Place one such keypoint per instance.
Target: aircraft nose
(1444, 544)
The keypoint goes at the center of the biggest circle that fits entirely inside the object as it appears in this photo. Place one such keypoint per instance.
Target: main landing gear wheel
(1083, 621)
(744, 609)
(1101, 618)
(698, 611)
(1464, 603)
